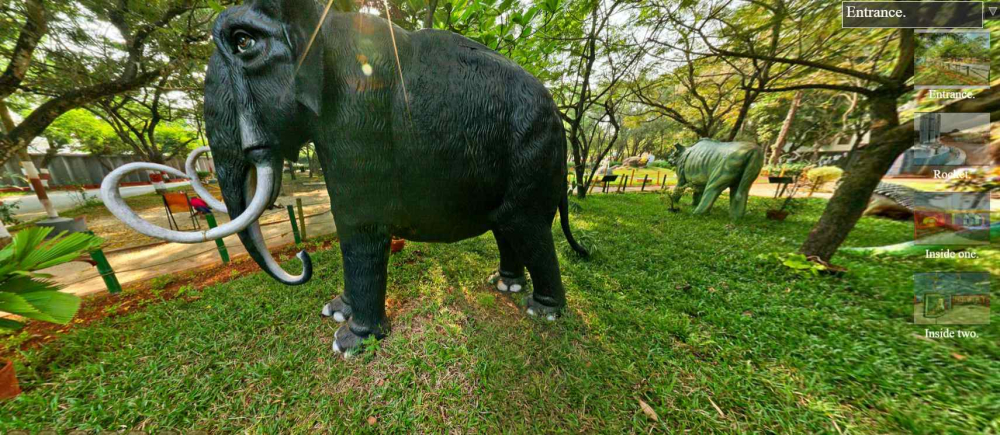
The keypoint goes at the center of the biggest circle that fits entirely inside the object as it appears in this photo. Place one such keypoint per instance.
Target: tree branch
(35, 26)
(829, 87)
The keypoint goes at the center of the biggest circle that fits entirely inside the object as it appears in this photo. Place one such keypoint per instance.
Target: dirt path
(136, 257)
(150, 207)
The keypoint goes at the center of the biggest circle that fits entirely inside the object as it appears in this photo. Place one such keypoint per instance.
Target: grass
(655, 175)
(673, 310)
(932, 75)
(960, 315)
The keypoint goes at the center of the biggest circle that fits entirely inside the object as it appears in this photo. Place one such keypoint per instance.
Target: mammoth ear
(309, 77)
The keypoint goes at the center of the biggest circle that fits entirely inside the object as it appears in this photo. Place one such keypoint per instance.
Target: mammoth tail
(564, 220)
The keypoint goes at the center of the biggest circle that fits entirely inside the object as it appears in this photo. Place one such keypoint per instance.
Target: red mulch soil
(139, 295)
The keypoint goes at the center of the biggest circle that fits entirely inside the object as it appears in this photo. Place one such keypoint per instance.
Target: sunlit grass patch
(672, 309)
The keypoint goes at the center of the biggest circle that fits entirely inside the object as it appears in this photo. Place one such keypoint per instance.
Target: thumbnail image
(951, 298)
(951, 218)
(947, 141)
(952, 59)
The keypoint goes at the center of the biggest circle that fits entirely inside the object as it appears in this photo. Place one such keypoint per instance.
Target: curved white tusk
(114, 202)
(192, 174)
(272, 266)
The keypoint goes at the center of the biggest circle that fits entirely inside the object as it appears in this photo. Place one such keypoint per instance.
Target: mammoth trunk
(239, 188)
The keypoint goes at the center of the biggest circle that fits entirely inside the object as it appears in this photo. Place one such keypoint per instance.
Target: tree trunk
(35, 27)
(309, 161)
(850, 200)
(580, 168)
(852, 154)
(291, 170)
(786, 127)
(429, 19)
(30, 171)
(50, 153)
(748, 100)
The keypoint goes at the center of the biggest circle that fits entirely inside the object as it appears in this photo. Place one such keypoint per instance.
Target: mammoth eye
(244, 41)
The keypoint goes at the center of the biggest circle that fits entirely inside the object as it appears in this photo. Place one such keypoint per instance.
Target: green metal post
(210, 218)
(295, 227)
(302, 218)
(107, 273)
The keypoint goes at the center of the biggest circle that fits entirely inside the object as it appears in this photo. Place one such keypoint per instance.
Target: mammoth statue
(424, 135)
(711, 167)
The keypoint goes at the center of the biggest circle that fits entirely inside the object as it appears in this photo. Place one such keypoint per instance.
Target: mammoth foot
(338, 309)
(506, 283)
(345, 341)
(538, 309)
(348, 342)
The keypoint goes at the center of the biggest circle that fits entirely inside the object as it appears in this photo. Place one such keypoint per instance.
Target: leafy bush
(790, 169)
(24, 291)
(78, 194)
(7, 213)
(660, 164)
(614, 163)
(820, 176)
(161, 282)
(824, 174)
(203, 175)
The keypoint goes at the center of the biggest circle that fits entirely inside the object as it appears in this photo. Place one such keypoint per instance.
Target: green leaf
(10, 325)
(16, 304)
(29, 251)
(53, 306)
(61, 249)
(215, 6)
(27, 284)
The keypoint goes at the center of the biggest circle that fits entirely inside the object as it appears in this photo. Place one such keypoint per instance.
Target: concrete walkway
(31, 208)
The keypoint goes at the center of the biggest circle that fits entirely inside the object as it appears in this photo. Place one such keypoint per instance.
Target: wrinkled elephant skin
(452, 141)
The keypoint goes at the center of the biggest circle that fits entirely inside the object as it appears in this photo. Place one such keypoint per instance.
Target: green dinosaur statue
(710, 167)
(936, 242)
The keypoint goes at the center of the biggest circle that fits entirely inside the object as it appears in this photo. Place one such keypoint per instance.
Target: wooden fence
(85, 170)
(974, 70)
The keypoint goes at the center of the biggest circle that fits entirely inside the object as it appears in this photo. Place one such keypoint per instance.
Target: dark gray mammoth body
(473, 145)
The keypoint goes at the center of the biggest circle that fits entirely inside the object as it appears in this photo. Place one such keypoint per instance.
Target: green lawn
(932, 75)
(636, 175)
(673, 310)
(960, 315)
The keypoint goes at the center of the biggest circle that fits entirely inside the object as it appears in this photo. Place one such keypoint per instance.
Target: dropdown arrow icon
(993, 10)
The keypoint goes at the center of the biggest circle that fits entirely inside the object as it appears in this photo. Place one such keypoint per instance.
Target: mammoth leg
(698, 191)
(678, 192)
(533, 243)
(366, 259)
(712, 191)
(510, 276)
(737, 200)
